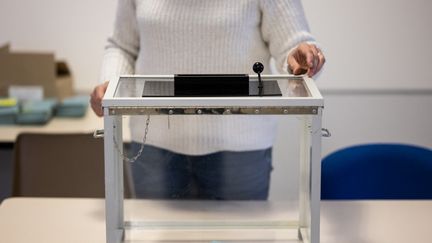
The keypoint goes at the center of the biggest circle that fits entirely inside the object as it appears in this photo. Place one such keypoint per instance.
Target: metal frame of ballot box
(307, 103)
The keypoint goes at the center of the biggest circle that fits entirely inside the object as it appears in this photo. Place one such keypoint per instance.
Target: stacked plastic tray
(40, 111)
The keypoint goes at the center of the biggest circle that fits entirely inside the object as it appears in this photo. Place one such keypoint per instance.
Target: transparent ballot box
(157, 102)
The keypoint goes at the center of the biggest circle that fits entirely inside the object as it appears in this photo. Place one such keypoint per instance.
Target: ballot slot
(213, 85)
(210, 86)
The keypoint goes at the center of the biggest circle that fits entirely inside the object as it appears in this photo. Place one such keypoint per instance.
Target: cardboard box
(26, 68)
(4, 49)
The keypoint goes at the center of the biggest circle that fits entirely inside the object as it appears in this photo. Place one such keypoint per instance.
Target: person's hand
(96, 98)
(305, 59)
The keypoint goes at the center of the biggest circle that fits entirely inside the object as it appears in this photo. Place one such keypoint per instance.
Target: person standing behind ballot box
(205, 157)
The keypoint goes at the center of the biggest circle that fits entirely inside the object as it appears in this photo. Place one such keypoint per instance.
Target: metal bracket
(325, 133)
(288, 110)
(98, 133)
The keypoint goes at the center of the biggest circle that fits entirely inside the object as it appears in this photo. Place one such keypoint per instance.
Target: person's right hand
(96, 98)
(306, 59)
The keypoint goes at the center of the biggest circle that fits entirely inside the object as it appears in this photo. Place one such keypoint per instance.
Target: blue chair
(377, 171)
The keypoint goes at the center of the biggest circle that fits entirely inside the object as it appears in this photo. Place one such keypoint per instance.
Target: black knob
(258, 67)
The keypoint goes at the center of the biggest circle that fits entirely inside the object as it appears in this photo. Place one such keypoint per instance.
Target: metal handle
(325, 133)
(98, 133)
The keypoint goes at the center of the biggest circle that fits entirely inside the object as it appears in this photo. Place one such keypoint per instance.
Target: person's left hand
(306, 59)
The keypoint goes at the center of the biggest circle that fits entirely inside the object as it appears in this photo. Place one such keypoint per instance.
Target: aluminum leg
(113, 179)
(310, 179)
(304, 197)
(315, 171)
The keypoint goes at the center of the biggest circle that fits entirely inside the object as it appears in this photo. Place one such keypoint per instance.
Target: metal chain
(134, 158)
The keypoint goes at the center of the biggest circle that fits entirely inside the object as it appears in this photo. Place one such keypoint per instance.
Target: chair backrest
(58, 165)
(378, 171)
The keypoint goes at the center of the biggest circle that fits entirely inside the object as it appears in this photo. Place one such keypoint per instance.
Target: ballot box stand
(300, 97)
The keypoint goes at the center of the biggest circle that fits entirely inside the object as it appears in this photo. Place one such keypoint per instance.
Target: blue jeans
(162, 174)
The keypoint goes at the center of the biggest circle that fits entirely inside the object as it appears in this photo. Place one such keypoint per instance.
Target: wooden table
(83, 220)
(86, 124)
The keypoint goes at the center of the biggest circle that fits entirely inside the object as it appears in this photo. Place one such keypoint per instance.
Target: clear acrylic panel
(225, 195)
(159, 215)
(163, 86)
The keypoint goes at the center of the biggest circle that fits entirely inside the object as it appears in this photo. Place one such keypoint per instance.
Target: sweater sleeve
(283, 27)
(123, 46)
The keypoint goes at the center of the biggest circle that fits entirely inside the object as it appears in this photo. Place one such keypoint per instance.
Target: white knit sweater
(203, 36)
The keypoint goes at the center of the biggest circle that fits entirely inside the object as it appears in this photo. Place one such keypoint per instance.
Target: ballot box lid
(154, 94)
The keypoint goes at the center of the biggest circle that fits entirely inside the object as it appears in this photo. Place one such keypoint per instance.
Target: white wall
(382, 44)
(74, 30)
(371, 47)
(368, 44)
